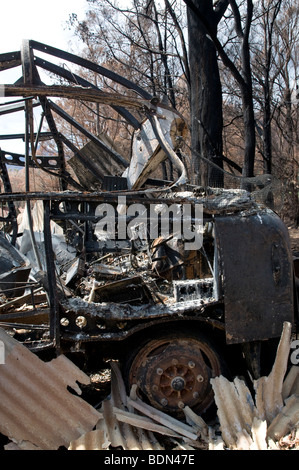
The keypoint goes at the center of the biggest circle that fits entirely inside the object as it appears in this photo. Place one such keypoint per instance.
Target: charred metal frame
(35, 94)
(81, 205)
(239, 320)
(29, 86)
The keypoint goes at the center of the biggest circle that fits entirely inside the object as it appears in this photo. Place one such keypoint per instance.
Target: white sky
(43, 21)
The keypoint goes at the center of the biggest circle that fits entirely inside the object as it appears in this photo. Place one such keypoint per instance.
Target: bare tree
(205, 91)
(263, 48)
(144, 42)
(210, 47)
(241, 72)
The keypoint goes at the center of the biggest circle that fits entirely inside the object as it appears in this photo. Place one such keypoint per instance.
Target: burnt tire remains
(174, 371)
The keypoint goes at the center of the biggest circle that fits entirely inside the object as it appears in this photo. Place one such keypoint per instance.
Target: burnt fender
(257, 276)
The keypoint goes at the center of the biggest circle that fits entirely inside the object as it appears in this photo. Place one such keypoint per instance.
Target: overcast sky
(43, 21)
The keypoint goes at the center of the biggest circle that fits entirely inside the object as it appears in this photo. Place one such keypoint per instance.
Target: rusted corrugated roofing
(35, 404)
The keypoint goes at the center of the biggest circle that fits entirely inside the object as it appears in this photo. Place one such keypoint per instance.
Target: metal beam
(91, 66)
(10, 60)
(51, 276)
(15, 106)
(78, 93)
(74, 78)
(52, 126)
(43, 136)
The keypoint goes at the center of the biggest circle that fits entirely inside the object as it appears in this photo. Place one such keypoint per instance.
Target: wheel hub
(174, 374)
(178, 384)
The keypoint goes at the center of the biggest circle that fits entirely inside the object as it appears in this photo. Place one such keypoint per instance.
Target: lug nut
(191, 364)
(195, 395)
(164, 402)
(200, 378)
(159, 371)
(181, 404)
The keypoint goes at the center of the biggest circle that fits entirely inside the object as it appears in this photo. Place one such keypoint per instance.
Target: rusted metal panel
(102, 162)
(35, 405)
(256, 264)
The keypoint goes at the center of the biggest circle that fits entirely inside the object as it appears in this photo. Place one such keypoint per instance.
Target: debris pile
(14, 269)
(270, 423)
(130, 424)
(38, 412)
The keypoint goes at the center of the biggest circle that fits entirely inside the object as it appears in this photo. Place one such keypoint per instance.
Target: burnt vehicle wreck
(97, 283)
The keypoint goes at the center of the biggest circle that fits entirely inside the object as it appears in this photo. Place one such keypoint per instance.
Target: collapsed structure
(99, 274)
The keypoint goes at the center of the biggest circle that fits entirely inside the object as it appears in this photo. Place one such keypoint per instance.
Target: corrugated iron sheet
(259, 423)
(35, 404)
(94, 440)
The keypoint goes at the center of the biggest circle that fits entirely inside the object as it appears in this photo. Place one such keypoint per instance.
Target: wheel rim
(174, 373)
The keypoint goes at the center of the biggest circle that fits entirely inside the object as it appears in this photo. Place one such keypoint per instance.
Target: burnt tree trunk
(205, 97)
(207, 18)
(249, 136)
(247, 97)
(267, 131)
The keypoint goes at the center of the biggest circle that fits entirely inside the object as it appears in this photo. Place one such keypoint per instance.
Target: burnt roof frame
(29, 62)
(74, 78)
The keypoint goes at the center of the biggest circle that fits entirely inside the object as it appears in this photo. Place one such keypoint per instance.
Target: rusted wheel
(173, 371)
